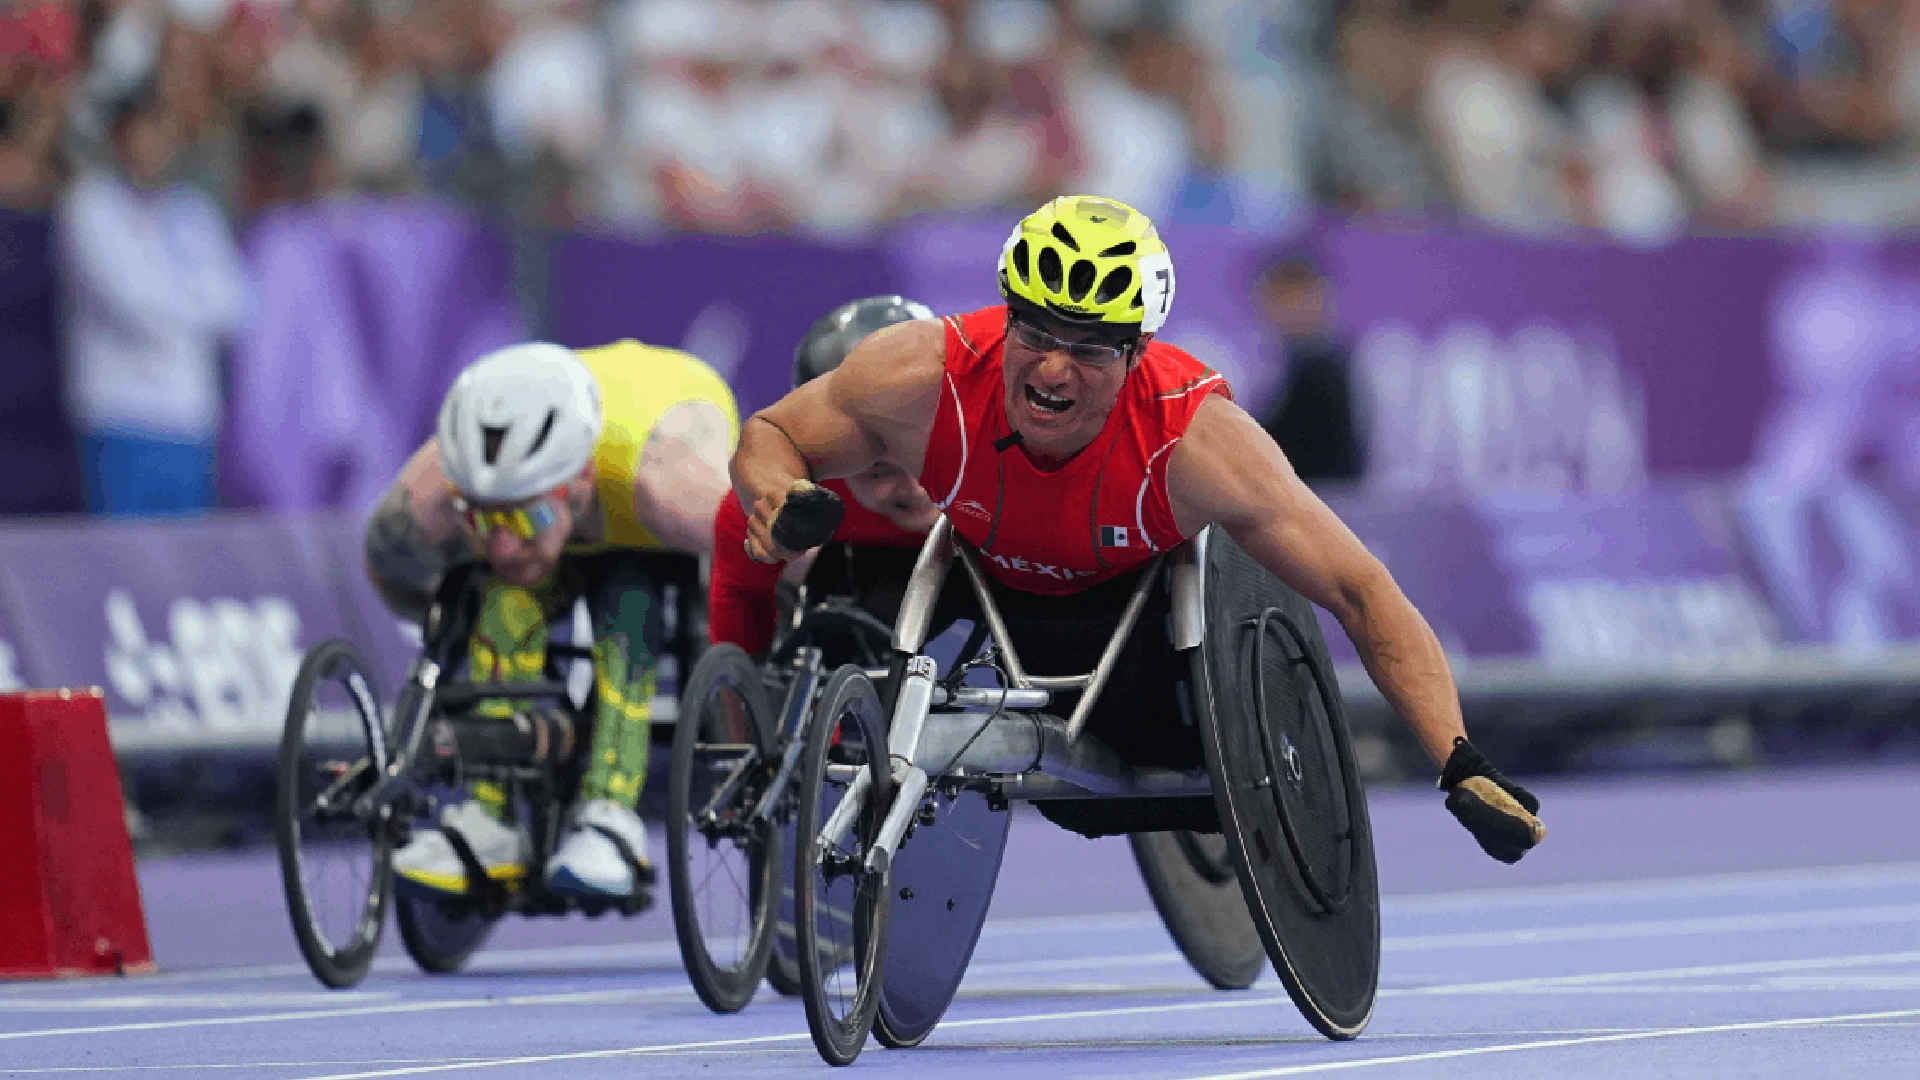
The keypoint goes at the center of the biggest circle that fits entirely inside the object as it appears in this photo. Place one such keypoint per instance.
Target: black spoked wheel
(440, 934)
(724, 868)
(840, 907)
(337, 867)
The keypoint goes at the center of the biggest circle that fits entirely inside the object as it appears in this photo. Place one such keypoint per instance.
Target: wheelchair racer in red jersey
(1070, 446)
(887, 513)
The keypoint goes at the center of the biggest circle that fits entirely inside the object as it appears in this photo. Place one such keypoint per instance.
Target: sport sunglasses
(525, 522)
(1034, 339)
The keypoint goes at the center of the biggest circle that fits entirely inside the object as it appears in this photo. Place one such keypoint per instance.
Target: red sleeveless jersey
(1101, 514)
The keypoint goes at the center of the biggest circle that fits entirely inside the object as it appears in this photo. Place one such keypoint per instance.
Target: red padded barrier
(69, 900)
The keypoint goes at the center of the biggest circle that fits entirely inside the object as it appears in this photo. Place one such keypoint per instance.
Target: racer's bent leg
(509, 644)
(607, 849)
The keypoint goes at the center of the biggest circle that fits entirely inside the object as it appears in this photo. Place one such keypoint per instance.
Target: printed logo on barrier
(223, 665)
(1538, 411)
(1695, 618)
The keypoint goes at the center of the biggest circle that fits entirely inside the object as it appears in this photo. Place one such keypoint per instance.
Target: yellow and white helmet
(1085, 259)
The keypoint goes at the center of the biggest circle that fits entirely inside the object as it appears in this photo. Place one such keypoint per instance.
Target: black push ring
(1330, 904)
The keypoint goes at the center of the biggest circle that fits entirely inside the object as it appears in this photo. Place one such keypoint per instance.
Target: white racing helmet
(519, 422)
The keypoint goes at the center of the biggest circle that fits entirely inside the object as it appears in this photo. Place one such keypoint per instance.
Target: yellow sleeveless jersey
(638, 384)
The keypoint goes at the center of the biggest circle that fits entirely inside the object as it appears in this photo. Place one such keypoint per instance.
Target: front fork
(910, 688)
(794, 712)
(456, 605)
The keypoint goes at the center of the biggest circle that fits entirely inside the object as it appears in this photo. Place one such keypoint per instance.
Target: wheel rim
(726, 776)
(337, 856)
(843, 891)
(1302, 764)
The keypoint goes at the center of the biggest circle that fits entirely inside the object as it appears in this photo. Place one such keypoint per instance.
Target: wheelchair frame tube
(838, 822)
(923, 589)
(906, 801)
(796, 707)
(1097, 680)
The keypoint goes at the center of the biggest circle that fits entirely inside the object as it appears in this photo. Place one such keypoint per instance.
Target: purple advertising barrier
(1686, 324)
(39, 456)
(365, 310)
(195, 629)
(950, 265)
(1656, 576)
(740, 304)
(1443, 554)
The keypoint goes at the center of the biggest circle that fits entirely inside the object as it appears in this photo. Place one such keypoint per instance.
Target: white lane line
(1549, 1044)
(1408, 904)
(192, 1001)
(581, 997)
(46, 1070)
(1646, 928)
(1751, 967)
(1520, 985)
(588, 1055)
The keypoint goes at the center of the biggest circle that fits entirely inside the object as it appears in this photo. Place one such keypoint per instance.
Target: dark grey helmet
(839, 330)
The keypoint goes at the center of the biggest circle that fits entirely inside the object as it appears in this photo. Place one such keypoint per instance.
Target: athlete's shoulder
(633, 374)
(639, 357)
(974, 337)
(1171, 373)
(892, 366)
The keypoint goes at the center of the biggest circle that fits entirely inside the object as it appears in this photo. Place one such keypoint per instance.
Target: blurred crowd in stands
(1639, 117)
(1642, 118)
(153, 131)
(713, 115)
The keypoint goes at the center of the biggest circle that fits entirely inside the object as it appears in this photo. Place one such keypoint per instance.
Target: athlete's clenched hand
(1498, 812)
(793, 521)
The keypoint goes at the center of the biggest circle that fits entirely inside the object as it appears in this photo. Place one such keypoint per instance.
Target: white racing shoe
(429, 861)
(590, 862)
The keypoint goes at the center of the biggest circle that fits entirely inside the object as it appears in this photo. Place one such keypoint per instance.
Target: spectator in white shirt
(153, 285)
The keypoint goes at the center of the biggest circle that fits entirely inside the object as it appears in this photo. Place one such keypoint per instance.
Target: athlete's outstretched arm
(414, 535)
(1227, 470)
(682, 475)
(878, 405)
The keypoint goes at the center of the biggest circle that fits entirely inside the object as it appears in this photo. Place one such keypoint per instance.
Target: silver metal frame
(1001, 735)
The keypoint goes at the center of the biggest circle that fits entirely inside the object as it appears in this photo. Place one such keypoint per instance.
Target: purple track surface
(1724, 926)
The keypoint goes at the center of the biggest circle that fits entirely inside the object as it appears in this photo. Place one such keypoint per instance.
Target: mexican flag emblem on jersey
(1113, 536)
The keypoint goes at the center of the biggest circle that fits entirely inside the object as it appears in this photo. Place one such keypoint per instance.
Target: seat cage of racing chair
(1001, 740)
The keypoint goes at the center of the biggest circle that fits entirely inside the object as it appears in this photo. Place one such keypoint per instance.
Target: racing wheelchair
(354, 779)
(897, 779)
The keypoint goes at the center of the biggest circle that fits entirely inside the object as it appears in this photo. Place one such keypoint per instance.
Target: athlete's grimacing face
(1057, 403)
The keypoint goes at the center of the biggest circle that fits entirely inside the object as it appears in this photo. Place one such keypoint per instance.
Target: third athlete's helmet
(519, 422)
(838, 331)
(1087, 260)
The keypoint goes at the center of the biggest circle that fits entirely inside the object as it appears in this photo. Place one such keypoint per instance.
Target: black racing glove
(1498, 812)
(809, 517)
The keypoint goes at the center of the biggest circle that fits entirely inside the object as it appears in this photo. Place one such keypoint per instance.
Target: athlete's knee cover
(508, 645)
(629, 622)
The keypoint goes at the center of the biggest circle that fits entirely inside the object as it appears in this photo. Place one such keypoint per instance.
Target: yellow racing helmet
(1085, 259)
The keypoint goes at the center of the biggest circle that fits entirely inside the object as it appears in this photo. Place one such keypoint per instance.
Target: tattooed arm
(414, 536)
(683, 475)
